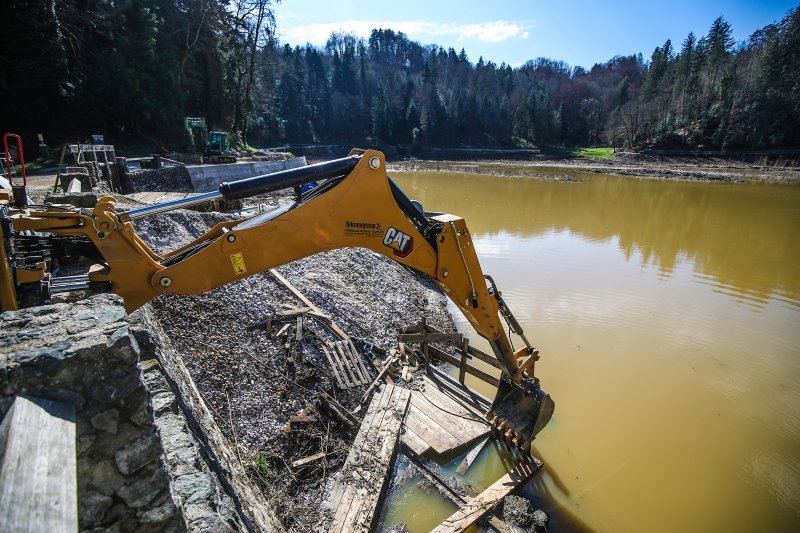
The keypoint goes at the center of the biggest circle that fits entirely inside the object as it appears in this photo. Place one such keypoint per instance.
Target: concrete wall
(207, 178)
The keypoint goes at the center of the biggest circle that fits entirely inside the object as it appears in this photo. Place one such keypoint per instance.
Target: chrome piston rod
(169, 206)
(67, 287)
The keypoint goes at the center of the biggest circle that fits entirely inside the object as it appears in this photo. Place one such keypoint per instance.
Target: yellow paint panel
(237, 260)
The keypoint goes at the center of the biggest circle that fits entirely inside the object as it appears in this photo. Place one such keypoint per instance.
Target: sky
(581, 33)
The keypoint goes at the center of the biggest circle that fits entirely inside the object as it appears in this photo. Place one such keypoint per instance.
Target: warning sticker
(237, 260)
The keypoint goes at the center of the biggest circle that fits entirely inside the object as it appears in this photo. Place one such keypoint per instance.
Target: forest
(132, 70)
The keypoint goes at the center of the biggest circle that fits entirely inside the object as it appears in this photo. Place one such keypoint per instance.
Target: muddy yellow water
(668, 318)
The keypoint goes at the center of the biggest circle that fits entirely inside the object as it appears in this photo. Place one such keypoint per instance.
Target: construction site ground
(246, 377)
(275, 398)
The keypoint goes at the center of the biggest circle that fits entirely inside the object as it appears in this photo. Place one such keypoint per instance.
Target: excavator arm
(355, 205)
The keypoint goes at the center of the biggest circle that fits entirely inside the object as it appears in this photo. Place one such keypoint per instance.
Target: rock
(159, 513)
(194, 487)
(102, 475)
(142, 416)
(144, 490)
(517, 511)
(92, 507)
(68, 396)
(78, 199)
(85, 442)
(137, 454)
(163, 402)
(540, 520)
(116, 527)
(176, 440)
(184, 461)
(106, 420)
(114, 388)
(200, 518)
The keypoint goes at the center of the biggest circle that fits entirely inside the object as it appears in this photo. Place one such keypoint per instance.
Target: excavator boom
(355, 205)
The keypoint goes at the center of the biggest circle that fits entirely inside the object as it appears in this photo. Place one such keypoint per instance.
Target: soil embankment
(653, 166)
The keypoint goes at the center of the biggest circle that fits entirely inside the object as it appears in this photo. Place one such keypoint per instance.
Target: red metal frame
(8, 158)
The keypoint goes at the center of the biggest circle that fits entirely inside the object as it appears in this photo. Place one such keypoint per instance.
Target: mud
(654, 166)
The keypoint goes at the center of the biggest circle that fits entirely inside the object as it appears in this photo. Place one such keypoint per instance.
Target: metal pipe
(69, 287)
(288, 178)
(169, 206)
(252, 186)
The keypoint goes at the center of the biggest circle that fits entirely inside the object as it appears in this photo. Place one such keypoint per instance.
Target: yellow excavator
(354, 204)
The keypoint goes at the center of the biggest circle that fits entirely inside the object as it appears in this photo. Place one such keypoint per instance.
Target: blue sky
(578, 32)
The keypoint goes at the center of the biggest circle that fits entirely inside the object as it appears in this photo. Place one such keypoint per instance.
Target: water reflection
(742, 236)
(667, 314)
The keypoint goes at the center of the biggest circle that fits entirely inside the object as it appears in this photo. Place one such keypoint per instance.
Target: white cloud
(317, 34)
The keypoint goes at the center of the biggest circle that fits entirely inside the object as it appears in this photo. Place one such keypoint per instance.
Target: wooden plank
(448, 414)
(344, 367)
(336, 329)
(484, 502)
(472, 351)
(470, 458)
(454, 400)
(337, 494)
(363, 479)
(38, 474)
(414, 442)
(388, 435)
(378, 378)
(348, 363)
(309, 459)
(431, 337)
(346, 376)
(435, 435)
(462, 368)
(351, 473)
(334, 368)
(485, 357)
(466, 397)
(480, 374)
(359, 360)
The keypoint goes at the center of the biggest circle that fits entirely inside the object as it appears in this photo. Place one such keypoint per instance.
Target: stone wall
(140, 466)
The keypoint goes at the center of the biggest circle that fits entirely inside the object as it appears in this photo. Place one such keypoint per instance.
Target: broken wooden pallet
(486, 501)
(346, 364)
(437, 422)
(355, 497)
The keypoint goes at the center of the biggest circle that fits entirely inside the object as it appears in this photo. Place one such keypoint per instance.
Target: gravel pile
(168, 179)
(254, 384)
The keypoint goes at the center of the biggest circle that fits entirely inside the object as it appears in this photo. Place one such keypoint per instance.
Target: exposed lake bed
(753, 169)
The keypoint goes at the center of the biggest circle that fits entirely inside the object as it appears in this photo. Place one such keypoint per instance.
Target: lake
(668, 318)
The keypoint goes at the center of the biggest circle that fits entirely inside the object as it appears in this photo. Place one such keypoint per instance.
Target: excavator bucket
(518, 414)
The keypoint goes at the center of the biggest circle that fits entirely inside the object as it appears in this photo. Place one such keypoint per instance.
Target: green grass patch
(261, 464)
(600, 153)
(597, 152)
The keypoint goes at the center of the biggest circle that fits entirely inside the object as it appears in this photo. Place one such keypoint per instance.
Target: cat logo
(399, 242)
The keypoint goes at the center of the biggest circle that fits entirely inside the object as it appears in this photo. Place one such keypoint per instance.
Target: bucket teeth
(510, 438)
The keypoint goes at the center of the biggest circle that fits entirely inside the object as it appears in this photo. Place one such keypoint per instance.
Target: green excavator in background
(215, 146)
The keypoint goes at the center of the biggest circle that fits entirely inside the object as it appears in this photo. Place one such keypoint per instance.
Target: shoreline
(646, 166)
